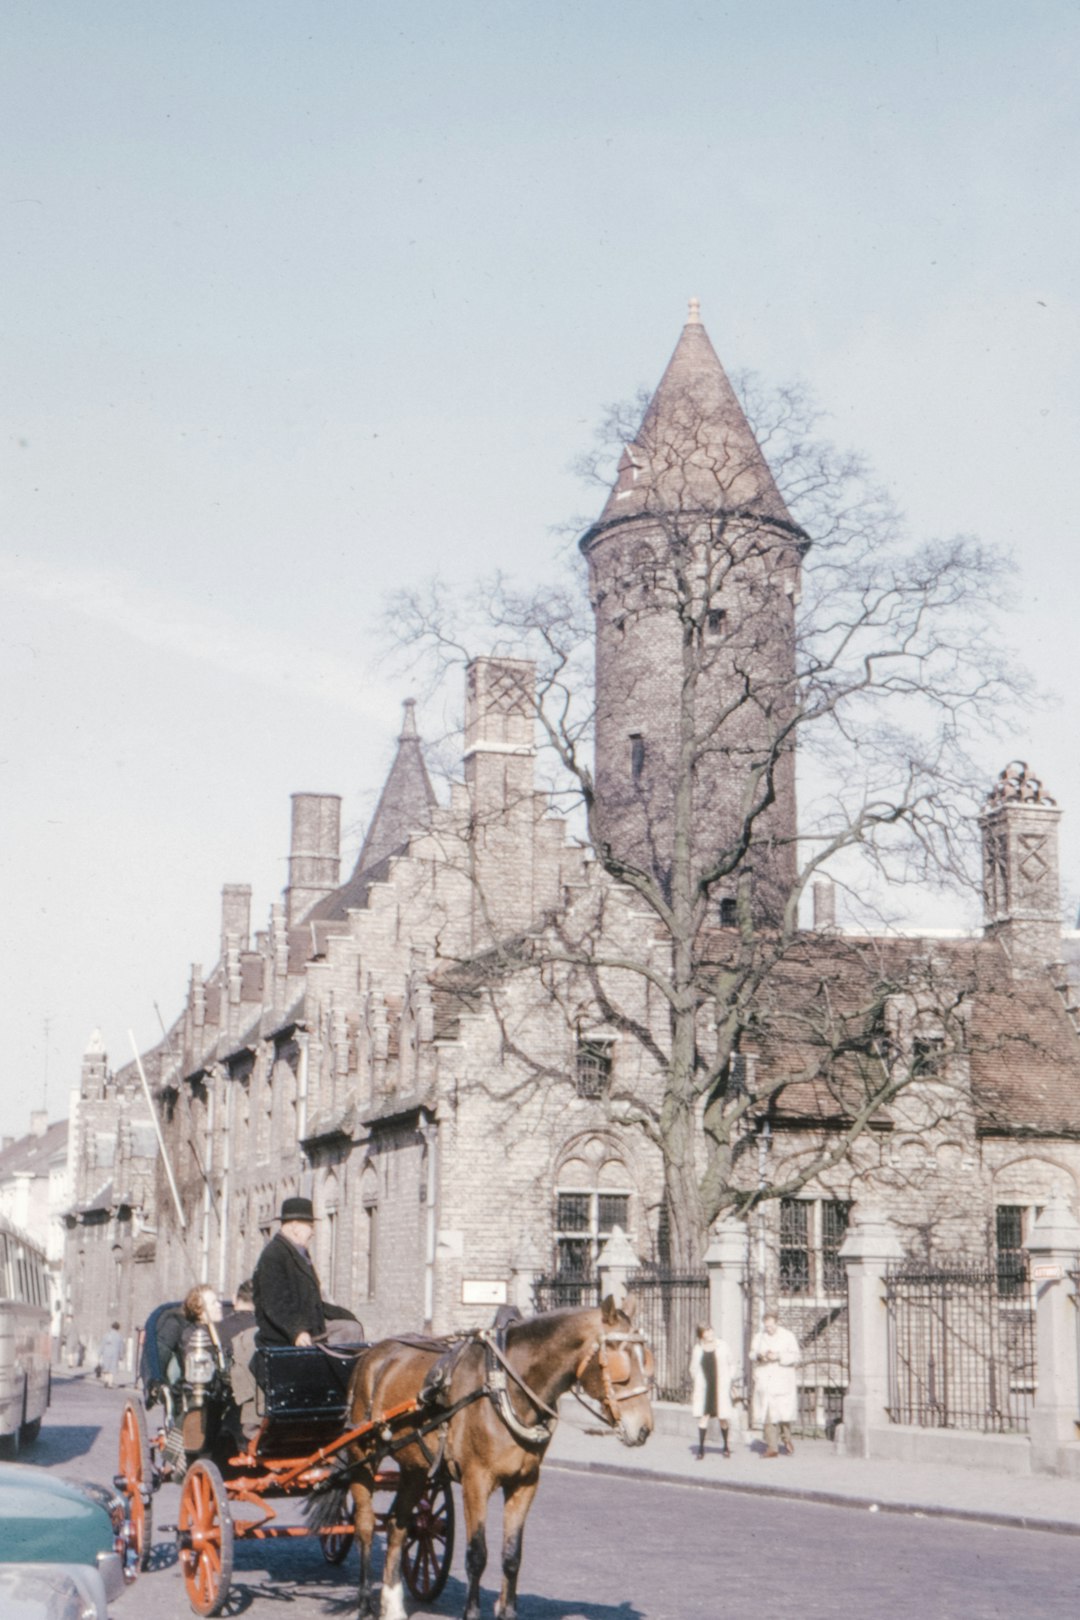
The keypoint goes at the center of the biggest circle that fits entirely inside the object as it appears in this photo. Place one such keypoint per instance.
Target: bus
(25, 1380)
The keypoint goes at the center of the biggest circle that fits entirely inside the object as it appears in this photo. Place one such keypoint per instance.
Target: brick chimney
(1021, 884)
(500, 724)
(314, 852)
(235, 915)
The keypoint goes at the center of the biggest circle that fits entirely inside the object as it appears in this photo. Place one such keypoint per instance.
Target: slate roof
(403, 809)
(694, 449)
(815, 1031)
(31, 1154)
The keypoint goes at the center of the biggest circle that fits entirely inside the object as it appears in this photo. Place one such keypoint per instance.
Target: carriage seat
(306, 1383)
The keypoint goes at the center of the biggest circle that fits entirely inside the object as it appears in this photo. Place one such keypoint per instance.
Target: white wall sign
(478, 1291)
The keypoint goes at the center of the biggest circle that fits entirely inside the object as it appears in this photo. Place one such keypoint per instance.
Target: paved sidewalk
(817, 1473)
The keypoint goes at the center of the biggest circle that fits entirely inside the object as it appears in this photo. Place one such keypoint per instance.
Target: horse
(499, 1392)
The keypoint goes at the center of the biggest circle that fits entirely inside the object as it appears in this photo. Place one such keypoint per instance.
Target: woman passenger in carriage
(289, 1307)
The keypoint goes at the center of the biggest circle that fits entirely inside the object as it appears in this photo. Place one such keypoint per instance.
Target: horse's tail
(326, 1503)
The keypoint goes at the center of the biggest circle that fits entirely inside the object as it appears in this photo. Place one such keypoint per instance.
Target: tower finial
(408, 720)
(694, 315)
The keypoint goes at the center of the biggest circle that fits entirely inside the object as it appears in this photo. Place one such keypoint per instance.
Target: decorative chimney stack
(1021, 885)
(314, 852)
(500, 724)
(235, 916)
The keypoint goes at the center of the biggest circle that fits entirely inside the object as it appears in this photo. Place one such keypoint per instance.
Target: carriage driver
(289, 1307)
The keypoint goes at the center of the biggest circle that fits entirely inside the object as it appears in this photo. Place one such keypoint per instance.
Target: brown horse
(500, 1435)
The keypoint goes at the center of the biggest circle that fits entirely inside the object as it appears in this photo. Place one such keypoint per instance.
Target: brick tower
(694, 573)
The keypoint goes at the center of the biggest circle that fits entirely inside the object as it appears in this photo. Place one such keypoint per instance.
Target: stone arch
(1030, 1178)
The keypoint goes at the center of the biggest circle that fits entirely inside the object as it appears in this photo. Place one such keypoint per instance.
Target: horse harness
(611, 1349)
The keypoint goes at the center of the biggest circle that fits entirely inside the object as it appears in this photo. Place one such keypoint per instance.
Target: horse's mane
(532, 1328)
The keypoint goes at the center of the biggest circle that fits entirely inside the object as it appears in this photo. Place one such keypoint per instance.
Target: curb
(795, 1493)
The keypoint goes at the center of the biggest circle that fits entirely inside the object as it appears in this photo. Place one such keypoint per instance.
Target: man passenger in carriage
(289, 1307)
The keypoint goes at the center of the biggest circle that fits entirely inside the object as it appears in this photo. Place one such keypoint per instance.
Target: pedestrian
(711, 1370)
(238, 1333)
(289, 1306)
(775, 1355)
(112, 1349)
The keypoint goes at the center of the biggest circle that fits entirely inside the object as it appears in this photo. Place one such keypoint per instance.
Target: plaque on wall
(478, 1291)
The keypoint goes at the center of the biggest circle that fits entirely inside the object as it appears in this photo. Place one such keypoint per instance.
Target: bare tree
(743, 613)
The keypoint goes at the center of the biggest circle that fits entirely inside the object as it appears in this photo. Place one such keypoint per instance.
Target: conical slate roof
(695, 451)
(403, 808)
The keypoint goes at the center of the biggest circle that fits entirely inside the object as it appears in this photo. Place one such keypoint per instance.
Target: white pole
(157, 1129)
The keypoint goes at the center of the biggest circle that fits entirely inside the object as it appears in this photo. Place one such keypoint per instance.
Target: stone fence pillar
(871, 1244)
(726, 1261)
(614, 1263)
(1053, 1244)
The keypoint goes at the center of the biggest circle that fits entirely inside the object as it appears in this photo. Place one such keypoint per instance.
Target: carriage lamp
(199, 1364)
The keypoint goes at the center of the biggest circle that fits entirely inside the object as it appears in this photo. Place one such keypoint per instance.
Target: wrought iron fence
(552, 1293)
(821, 1326)
(669, 1307)
(961, 1346)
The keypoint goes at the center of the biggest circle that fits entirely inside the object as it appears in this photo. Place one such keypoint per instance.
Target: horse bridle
(612, 1396)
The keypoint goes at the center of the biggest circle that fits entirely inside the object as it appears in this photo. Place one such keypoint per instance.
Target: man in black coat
(289, 1307)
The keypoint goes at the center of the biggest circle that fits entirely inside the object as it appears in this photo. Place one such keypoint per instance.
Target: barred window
(835, 1215)
(572, 1212)
(811, 1232)
(637, 756)
(1011, 1255)
(593, 1067)
(715, 621)
(613, 1209)
(729, 912)
(583, 1223)
(927, 1055)
(794, 1246)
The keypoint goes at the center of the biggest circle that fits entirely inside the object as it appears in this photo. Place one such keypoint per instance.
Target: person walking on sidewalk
(109, 1356)
(775, 1355)
(710, 1392)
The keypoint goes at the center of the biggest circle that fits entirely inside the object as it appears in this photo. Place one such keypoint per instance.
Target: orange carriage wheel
(205, 1538)
(135, 1484)
(429, 1542)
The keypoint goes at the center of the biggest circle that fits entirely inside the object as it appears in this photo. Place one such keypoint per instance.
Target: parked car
(60, 1546)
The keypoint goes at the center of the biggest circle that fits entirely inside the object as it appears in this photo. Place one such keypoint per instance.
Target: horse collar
(496, 1368)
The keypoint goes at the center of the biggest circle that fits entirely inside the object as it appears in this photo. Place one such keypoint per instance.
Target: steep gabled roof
(403, 809)
(695, 450)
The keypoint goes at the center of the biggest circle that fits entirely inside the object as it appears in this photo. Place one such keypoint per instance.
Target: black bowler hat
(297, 1209)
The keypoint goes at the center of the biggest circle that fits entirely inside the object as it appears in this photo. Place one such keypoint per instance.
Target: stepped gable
(404, 808)
(695, 450)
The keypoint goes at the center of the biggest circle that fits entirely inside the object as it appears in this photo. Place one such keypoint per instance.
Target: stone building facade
(419, 1049)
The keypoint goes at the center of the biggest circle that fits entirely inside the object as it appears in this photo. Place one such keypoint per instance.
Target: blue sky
(304, 301)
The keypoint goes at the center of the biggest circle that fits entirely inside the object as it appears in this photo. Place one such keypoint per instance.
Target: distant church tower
(694, 574)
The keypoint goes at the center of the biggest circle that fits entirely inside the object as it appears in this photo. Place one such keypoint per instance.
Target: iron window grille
(811, 1232)
(583, 1222)
(593, 1070)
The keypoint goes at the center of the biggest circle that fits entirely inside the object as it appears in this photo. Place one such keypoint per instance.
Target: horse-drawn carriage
(403, 1416)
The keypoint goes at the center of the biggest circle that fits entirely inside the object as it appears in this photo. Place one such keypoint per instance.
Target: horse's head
(617, 1372)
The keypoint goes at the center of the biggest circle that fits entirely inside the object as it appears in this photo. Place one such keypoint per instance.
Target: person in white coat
(711, 1369)
(775, 1355)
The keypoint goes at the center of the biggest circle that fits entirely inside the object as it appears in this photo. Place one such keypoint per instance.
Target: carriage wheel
(429, 1542)
(205, 1538)
(335, 1546)
(135, 1484)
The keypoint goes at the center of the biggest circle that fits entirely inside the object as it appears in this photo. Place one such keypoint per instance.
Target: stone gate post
(1053, 1245)
(614, 1263)
(871, 1244)
(726, 1260)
